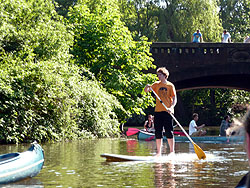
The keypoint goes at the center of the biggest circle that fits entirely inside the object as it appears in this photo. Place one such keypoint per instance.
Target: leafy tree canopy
(172, 20)
(183, 18)
(105, 46)
(42, 95)
(214, 104)
(33, 26)
(235, 18)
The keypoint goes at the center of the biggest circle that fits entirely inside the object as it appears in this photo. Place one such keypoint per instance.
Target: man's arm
(146, 122)
(201, 39)
(174, 101)
(174, 98)
(200, 127)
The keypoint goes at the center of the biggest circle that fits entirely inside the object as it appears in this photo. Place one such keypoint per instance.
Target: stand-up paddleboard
(153, 159)
(120, 158)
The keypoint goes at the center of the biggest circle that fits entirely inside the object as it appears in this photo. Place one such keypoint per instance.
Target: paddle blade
(132, 131)
(199, 152)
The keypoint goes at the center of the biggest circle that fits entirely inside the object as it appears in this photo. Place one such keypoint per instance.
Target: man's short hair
(194, 115)
(163, 70)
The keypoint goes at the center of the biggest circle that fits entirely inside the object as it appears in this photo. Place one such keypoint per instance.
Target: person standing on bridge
(247, 39)
(167, 93)
(226, 37)
(197, 37)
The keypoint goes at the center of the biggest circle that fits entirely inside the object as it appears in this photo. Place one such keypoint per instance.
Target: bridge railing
(223, 49)
(205, 52)
(187, 48)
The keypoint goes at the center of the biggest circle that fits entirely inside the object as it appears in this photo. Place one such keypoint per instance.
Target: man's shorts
(163, 119)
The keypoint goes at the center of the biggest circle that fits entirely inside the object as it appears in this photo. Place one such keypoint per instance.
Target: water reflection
(78, 164)
(191, 148)
(131, 145)
(164, 175)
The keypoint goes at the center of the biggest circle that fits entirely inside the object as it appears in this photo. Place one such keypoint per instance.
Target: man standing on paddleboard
(167, 93)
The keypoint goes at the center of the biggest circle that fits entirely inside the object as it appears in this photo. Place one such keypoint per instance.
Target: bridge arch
(205, 65)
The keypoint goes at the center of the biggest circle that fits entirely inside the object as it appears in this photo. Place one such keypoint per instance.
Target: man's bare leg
(171, 143)
(158, 147)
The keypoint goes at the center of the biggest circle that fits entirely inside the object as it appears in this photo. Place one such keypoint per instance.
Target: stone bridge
(205, 65)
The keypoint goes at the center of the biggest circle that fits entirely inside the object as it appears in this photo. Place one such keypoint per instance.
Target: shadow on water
(78, 164)
(27, 183)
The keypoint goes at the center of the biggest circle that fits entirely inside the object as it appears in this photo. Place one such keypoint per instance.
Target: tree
(224, 101)
(43, 95)
(62, 6)
(172, 20)
(105, 46)
(179, 19)
(141, 17)
(49, 100)
(235, 18)
(33, 27)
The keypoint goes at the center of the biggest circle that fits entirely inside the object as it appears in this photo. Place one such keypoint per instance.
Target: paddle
(199, 152)
(132, 131)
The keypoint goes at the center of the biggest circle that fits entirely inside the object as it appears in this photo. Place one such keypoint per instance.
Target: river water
(78, 164)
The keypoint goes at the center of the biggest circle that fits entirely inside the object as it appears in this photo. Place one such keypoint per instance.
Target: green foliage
(172, 20)
(51, 101)
(240, 100)
(235, 16)
(62, 6)
(105, 46)
(33, 26)
(188, 16)
(42, 95)
(141, 17)
(214, 104)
